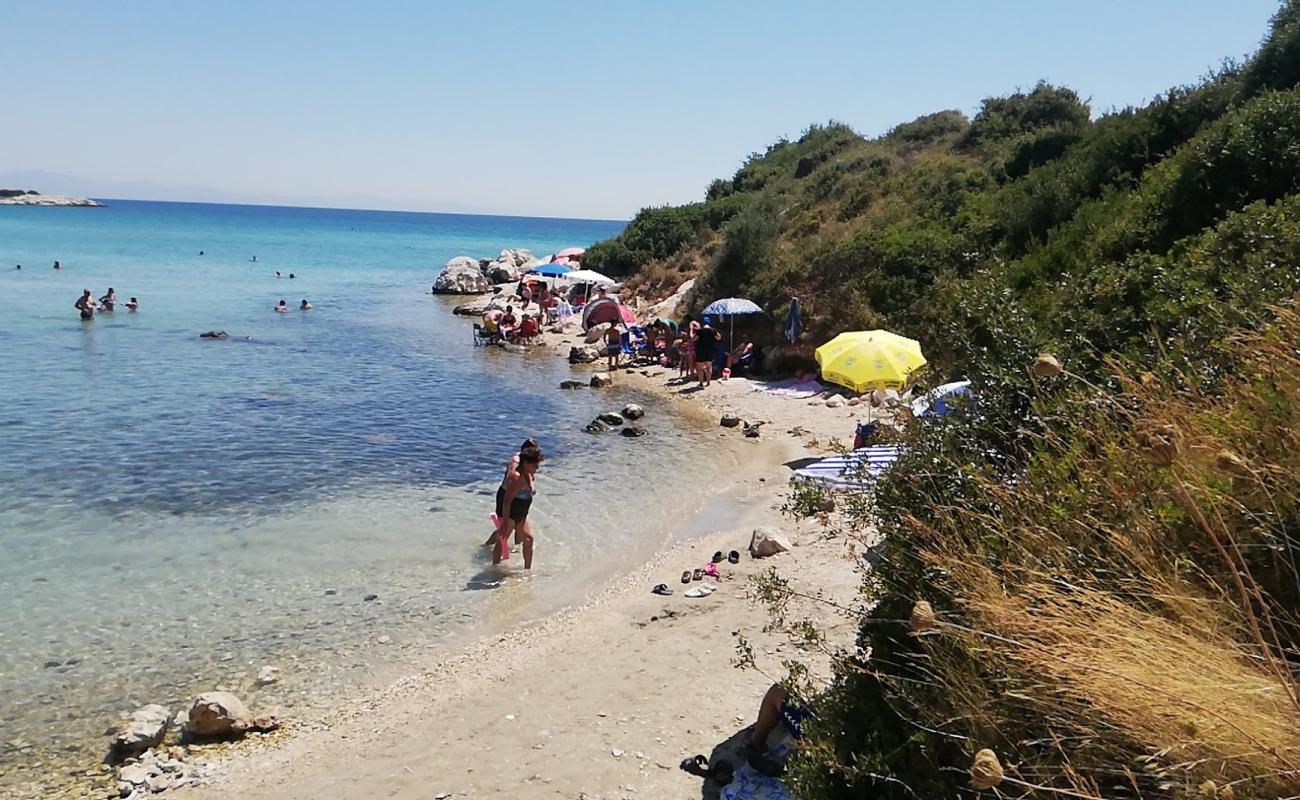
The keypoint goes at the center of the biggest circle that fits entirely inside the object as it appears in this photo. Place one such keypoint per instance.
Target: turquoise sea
(176, 513)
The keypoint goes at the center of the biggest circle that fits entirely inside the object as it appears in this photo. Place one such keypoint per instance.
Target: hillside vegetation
(1091, 574)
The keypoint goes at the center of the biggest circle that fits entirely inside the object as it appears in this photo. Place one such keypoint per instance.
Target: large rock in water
(601, 379)
(515, 257)
(768, 542)
(461, 276)
(611, 419)
(142, 729)
(218, 714)
(633, 411)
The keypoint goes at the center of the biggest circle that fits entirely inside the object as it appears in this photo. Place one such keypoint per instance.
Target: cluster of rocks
(30, 197)
(751, 429)
(466, 275)
(584, 354)
(609, 420)
(148, 767)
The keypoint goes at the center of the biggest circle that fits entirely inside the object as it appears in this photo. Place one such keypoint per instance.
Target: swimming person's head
(283, 303)
(133, 300)
(85, 293)
(291, 275)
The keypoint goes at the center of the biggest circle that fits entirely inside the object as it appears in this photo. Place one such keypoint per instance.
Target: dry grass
(1124, 615)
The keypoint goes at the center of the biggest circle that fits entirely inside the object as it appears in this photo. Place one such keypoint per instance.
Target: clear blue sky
(549, 108)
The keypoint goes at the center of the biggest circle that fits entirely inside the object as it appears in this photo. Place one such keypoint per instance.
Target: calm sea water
(176, 512)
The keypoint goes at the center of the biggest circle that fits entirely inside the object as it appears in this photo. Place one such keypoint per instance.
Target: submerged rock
(613, 420)
(213, 335)
(572, 384)
(218, 714)
(633, 411)
(601, 379)
(596, 426)
(268, 675)
(140, 730)
(768, 542)
(633, 432)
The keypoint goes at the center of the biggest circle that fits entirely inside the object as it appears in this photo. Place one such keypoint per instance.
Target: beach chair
(481, 336)
(625, 344)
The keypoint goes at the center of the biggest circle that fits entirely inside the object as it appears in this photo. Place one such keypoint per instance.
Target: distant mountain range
(59, 183)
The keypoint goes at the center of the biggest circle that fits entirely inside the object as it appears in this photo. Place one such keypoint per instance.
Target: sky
(562, 109)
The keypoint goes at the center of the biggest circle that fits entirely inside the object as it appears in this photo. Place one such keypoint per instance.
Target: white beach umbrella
(589, 276)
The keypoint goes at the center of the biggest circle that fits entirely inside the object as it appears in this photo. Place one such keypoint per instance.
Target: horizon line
(348, 208)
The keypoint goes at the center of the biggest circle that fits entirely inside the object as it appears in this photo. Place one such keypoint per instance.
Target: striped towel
(852, 471)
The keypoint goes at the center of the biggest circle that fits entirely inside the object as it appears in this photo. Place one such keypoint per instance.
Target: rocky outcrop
(613, 420)
(584, 354)
(221, 715)
(461, 275)
(601, 379)
(632, 431)
(498, 272)
(768, 542)
(138, 731)
(633, 411)
(14, 197)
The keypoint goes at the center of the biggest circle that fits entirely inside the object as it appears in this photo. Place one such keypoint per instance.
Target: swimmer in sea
(291, 275)
(283, 308)
(133, 305)
(277, 274)
(304, 306)
(57, 265)
(109, 300)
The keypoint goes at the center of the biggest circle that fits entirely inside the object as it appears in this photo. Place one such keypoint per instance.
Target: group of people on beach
(86, 305)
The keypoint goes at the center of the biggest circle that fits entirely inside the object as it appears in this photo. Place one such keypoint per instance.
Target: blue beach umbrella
(793, 325)
(732, 307)
(550, 271)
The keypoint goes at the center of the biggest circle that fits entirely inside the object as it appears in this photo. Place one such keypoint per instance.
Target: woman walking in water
(500, 515)
(517, 499)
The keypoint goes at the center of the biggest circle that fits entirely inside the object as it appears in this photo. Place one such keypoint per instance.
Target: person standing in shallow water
(511, 466)
(517, 501)
(86, 305)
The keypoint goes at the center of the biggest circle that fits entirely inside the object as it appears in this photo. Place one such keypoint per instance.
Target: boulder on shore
(218, 715)
(613, 420)
(601, 379)
(572, 384)
(583, 355)
(729, 421)
(461, 275)
(632, 431)
(140, 730)
(501, 272)
(633, 411)
(768, 542)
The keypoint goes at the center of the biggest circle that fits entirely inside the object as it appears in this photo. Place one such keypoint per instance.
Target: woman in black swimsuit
(517, 500)
(501, 493)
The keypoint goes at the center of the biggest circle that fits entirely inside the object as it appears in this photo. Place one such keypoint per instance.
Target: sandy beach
(605, 698)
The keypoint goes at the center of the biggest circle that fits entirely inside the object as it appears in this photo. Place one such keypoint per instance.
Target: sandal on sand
(711, 570)
(733, 557)
(709, 587)
(686, 576)
(662, 589)
(697, 575)
(699, 765)
(716, 557)
(721, 774)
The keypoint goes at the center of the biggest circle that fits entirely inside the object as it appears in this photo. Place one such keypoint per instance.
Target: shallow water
(177, 512)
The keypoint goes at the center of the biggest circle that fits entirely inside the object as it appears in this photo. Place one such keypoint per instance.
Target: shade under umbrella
(732, 307)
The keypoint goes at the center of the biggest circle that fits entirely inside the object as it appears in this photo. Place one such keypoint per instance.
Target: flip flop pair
(703, 590)
(718, 558)
(662, 589)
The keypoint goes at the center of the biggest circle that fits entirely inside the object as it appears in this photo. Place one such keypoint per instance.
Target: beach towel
(852, 471)
(749, 784)
(794, 388)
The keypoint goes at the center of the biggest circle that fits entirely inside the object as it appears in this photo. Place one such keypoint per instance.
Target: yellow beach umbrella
(863, 360)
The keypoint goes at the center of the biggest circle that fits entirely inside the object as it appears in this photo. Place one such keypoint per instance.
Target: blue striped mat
(854, 470)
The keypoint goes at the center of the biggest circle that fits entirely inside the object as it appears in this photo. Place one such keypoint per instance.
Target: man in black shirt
(707, 342)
